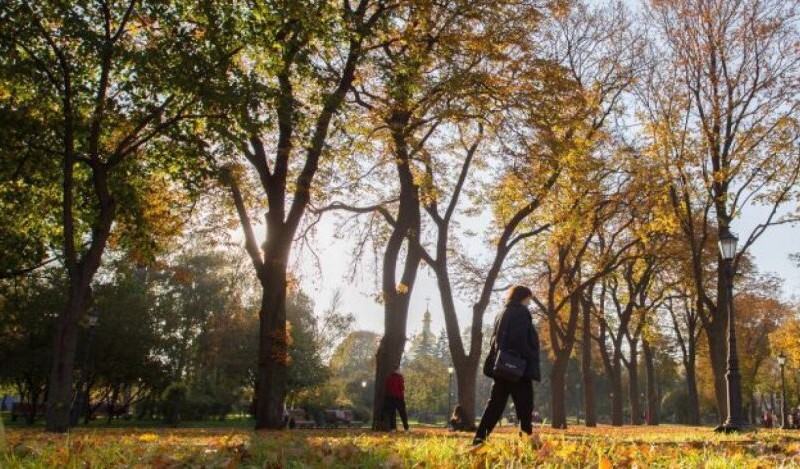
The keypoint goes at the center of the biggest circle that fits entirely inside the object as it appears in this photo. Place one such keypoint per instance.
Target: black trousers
(394, 406)
(521, 393)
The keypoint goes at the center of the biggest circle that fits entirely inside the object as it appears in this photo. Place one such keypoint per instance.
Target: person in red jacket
(395, 400)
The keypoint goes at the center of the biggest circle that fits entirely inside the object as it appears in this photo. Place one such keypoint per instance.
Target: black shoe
(477, 442)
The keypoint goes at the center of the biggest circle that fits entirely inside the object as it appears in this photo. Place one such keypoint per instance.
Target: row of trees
(190, 325)
(600, 152)
(190, 322)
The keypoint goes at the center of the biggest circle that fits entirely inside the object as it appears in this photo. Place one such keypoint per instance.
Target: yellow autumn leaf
(604, 462)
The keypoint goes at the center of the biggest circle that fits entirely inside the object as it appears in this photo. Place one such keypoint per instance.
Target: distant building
(424, 343)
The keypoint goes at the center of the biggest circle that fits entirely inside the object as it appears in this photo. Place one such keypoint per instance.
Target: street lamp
(81, 398)
(782, 363)
(735, 421)
(364, 390)
(450, 371)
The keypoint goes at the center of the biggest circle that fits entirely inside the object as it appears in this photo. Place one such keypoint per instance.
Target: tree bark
(78, 300)
(273, 340)
(716, 333)
(617, 397)
(465, 364)
(589, 401)
(653, 417)
(687, 343)
(558, 392)
(633, 386)
(397, 296)
(691, 388)
(466, 390)
(60, 398)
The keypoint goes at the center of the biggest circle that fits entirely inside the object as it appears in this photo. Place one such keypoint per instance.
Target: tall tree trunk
(617, 397)
(81, 271)
(653, 417)
(717, 334)
(465, 377)
(558, 391)
(633, 386)
(389, 355)
(273, 340)
(31, 417)
(589, 402)
(397, 296)
(61, 393)
(693, 403)
(112, 404)
(465, 365)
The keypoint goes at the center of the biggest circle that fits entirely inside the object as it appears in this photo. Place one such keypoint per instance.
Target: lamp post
(81, 394)
(784, 419)
(735, 420)
(450, 371)
(364, 389)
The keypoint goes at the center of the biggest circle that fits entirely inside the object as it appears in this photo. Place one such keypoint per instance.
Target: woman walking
(513, 364)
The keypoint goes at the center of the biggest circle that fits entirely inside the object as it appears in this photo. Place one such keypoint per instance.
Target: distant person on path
(767, 420)
(458, 422)
(513, 333)
(395, 400)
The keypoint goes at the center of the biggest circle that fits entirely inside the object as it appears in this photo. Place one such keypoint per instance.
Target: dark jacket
(513, 330)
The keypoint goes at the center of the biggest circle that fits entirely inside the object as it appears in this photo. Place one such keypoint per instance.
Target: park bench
(334, 418)
(297, 418)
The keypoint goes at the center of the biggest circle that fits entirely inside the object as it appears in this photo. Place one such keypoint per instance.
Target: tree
(196, 290)
(722, 97)
(306, 368)
(95, 77)
(28, 311)
(567, 269)
(687, 329)
(407, 101)
(332, 327)
(356, 350)
(625, 293)
(426, 380)
(599, 48)
(294, 49)
(765, 315)
(351, 365)
(123, 364)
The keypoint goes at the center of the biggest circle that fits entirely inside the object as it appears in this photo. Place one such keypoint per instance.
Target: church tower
(425, 342)
(427, 335)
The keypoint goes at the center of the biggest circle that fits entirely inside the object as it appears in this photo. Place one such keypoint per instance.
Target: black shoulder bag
(504, 364)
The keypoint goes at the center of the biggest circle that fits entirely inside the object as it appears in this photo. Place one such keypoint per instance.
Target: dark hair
(517, 294)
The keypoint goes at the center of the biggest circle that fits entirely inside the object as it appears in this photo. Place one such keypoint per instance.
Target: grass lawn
(603, 448)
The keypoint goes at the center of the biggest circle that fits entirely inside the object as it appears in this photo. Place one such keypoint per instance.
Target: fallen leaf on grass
(536, 441)
(604, 462)
(393, 462)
